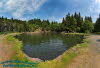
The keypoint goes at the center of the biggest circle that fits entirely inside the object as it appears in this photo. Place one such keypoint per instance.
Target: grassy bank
(79, 33)
(17, 47)
(65, 59)
(5, 33)
(97, 33)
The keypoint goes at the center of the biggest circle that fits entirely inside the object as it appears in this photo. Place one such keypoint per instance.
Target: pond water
(47, 46)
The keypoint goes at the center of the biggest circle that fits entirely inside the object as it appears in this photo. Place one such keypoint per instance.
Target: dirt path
(95, 50)
(90, 57)
(5, 50)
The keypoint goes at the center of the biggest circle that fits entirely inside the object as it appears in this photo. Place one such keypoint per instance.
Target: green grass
(66, 56)
(97, 33)
(17, 47)
(5, 32)
(80, 33)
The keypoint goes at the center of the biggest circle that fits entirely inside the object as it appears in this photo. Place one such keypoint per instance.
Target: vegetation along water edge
(56, 63)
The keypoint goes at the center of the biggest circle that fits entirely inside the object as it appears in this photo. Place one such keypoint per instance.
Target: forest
(70, 23)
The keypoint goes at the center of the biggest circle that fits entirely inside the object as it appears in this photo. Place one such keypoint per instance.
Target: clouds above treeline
(19, 7)
(48, 9)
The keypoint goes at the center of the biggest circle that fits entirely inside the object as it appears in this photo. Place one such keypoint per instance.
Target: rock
(34, 59)
(59, 57)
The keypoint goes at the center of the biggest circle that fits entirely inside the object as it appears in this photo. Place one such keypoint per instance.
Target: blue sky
(53, 10)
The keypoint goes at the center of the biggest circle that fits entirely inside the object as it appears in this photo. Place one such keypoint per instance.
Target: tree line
(71, 23)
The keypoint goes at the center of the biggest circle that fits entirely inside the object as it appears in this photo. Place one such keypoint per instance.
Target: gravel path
(90, 57)
(95, 44)
(95, 50)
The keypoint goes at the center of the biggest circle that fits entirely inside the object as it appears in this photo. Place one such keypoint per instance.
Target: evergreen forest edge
(70, 24)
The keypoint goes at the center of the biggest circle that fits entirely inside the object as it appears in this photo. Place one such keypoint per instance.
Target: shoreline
(72, 52)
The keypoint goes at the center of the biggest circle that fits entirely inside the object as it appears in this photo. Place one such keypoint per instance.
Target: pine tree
(97, 25)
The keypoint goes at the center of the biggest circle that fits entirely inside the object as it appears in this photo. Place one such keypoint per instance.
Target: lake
(47, 46)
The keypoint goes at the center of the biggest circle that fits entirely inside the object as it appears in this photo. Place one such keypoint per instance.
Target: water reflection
(47, 46)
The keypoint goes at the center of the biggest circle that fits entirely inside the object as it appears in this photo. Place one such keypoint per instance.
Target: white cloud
(52, 18)
(20, 7)
(59, 20)
(97, 1)
(95, 6)
(94, 9)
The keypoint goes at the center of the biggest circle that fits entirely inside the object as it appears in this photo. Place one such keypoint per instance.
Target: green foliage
(97, 32)
(88, 18)
(10, 38)
(54, 26)
(97, 25)
(71, 23)
(87, 26)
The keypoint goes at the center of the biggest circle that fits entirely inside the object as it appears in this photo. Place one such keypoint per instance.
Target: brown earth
(5, 51)
(89, 57)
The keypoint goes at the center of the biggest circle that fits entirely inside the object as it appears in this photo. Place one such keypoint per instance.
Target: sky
(53, 10)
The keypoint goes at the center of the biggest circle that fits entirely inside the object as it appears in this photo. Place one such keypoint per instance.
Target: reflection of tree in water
(71, 40)
(36, 39)
(48, 45)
